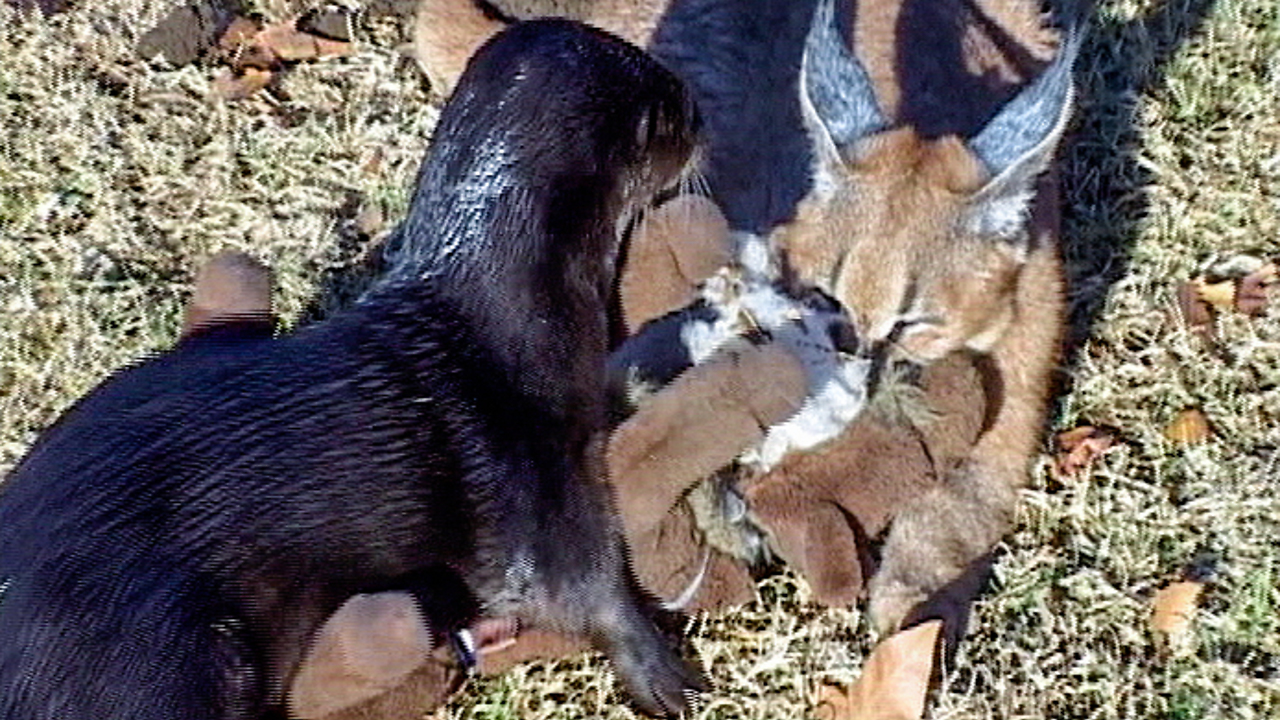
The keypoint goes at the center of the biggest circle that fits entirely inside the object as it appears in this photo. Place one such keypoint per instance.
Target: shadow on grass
(357, 263)
(1104, 186)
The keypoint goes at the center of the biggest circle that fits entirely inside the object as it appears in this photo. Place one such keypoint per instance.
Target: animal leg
(933, 540)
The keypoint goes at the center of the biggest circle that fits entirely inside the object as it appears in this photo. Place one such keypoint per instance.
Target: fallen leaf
(290, 44)
(1189, 426)
(238, 34)
(1220, 294)
(232, 85)
(331, 22)
(894, 681)
(255, 52)
(1196, 313)
(1253, 289)
(240, 48)
(1239, 282)
(246, 43)
(1077, 448)
(1172, 609)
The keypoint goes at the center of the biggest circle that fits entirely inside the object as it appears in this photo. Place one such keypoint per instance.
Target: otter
(174, 540)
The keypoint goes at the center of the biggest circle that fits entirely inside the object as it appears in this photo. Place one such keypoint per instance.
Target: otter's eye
(645, 127)
(655, 125)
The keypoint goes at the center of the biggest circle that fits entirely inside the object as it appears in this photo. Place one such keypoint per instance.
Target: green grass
(117, 176)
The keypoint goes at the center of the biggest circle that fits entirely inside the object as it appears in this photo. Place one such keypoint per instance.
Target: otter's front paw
(658, 680)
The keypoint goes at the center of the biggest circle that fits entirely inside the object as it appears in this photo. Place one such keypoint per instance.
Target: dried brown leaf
(242, 49)
(1252, 290)
(238, 33)
(1196, 313)
(290, 44)
(1220, 295)
(1172, 609)
(248, 44)
(186, 34)
(232, 85)
(1189, 426)
(894, 681)
(1077, 448)
(328, 22)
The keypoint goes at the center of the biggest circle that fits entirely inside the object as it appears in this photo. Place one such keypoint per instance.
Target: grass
(117, 175)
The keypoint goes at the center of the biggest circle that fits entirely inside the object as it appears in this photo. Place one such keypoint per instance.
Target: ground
(118, 174)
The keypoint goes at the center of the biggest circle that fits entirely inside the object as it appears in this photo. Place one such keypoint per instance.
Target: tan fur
(942, 532)
(680, 244)
(886, 234)
(823, 508)
(945, 530)
(448, 32)
(229, 286)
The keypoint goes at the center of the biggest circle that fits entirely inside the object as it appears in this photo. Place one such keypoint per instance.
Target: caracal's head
(922, 239)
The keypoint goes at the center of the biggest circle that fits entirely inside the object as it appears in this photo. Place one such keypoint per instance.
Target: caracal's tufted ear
(837, 97)
(1019, 143)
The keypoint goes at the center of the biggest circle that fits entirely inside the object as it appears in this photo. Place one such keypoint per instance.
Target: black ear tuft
(835, 83)
(1030, 124)
(1018, 144)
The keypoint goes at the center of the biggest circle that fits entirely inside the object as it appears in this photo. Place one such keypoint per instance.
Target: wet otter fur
(172, 543)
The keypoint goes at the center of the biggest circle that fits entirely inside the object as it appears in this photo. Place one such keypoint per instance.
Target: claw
(660, 684)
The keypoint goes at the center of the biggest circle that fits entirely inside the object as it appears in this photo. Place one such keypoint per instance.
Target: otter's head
(560, 126)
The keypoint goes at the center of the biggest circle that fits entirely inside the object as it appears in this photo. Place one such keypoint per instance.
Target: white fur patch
(824, 415)
(1001, 218)
(746, 301)
(517, 582)
(754, 255)
(686, 596)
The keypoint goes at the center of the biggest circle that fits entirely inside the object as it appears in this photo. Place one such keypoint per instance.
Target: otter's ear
(1019, 143)
(836, 94)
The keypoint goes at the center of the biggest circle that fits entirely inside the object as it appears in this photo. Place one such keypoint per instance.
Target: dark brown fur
(175, 540)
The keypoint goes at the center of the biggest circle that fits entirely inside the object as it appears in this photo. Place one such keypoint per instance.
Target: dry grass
(117, 176)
